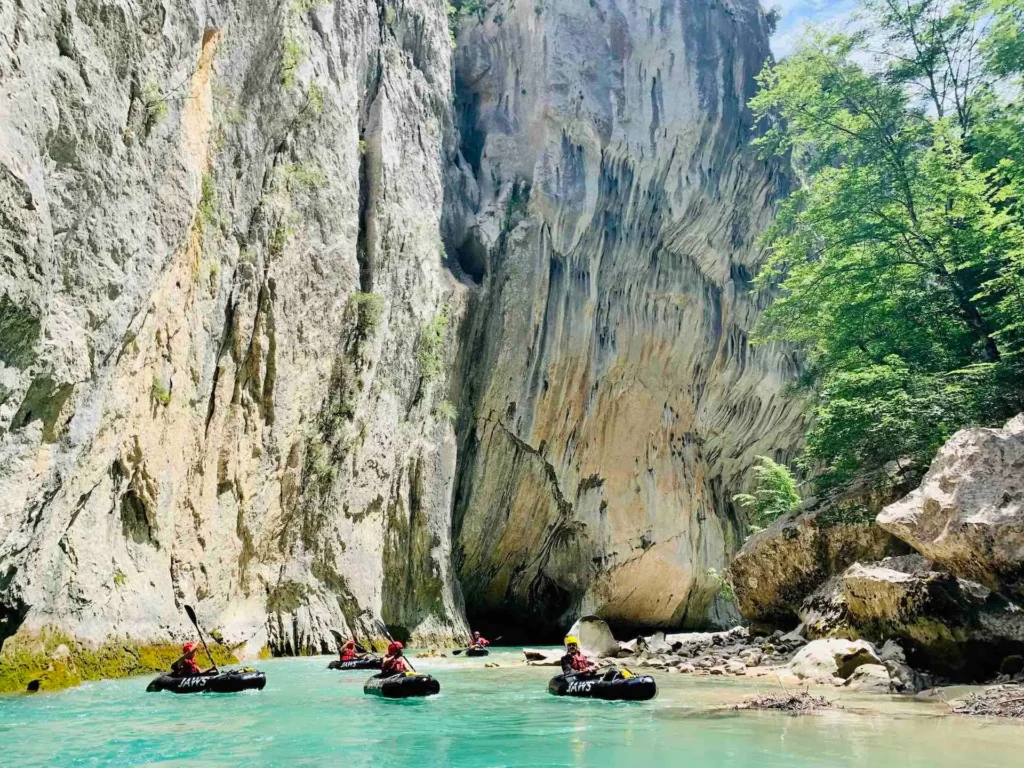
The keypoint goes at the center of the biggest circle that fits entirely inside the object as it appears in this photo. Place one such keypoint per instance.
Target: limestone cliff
(224, 311)
(243, 243)
(615, 403)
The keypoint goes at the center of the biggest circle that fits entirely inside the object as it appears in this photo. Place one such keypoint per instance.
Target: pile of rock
(732, 652)
(787, 658)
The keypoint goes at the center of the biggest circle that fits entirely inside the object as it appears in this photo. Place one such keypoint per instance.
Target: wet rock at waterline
(826, 661)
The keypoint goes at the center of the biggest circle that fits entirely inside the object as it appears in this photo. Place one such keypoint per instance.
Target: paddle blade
(457, 651)
(192, 615)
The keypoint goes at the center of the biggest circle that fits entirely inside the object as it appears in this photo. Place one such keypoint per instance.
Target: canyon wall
(617, 403)
(225, 319)
(262, 260)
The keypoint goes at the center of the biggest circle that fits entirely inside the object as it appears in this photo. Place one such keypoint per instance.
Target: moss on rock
(52, 660)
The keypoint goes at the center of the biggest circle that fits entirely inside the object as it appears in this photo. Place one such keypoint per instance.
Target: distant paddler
(479, 641)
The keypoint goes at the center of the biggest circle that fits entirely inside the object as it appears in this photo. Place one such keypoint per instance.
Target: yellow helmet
(572, 640)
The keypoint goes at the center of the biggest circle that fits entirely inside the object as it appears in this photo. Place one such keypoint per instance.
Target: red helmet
(188, 647)
(394, 646)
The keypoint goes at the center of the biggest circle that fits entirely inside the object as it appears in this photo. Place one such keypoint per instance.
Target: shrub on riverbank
(53, 660)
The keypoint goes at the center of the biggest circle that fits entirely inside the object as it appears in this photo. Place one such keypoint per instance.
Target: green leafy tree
(774, 493)
(899, 255)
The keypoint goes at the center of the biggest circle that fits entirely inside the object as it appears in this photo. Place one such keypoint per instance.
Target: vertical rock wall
(227, 316)
(224, 318)
(616, 401)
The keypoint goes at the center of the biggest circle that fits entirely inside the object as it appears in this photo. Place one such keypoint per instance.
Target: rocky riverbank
(931, 581)
(787, 660)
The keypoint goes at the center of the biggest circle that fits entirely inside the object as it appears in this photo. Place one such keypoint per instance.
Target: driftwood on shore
(787, 701)
(1001, 701)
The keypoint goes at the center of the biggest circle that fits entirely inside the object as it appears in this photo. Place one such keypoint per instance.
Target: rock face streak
(616, 401)
(227, 314)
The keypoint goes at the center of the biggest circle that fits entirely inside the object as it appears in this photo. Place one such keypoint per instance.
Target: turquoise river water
(309, 716)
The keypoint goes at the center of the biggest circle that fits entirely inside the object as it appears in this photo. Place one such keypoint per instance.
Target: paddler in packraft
(479, 642)
(574, 662)
(186, 665)
(394, 663)
(348, 651)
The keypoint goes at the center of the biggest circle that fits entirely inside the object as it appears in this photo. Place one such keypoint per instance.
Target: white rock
(869, 677)
(828, 660)
(595, 637)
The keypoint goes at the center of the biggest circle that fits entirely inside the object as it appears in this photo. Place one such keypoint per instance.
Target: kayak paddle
(195, 622)
(384, 628)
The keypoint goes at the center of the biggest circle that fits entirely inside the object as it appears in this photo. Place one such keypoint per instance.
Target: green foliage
(430, 352)
(724, 585)
(303, 177)
(446, 410)
(155, 102)
(774, 492)
(120, 579)
(278, 240)
(369, 309)
(901, 257)
(291, 57)
(1003, 47)
(315, 97)
(208, 202)
(159, 392)
(459, 10)
(854, 514)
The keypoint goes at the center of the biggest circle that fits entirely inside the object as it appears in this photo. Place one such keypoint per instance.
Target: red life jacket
(579, 662)
(481, 643)
(394, 665)
(348, 651)
(187, 667)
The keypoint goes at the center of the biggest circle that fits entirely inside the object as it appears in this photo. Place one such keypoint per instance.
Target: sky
(797, 14)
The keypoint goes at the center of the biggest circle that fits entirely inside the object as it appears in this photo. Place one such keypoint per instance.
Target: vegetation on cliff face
(774, 495)
(901, 255)
(53, 660)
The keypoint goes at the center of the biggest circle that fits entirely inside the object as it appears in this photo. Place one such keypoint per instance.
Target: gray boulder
(952, 626)
(968, 513)
(596, 638)
(779, 567)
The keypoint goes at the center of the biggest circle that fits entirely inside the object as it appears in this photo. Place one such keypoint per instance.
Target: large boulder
(780, 566)
(968, 513)
(831, 661)
(952, 626)
(596, 639)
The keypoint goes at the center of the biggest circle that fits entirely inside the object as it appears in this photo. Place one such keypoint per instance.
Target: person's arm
(567, 664)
